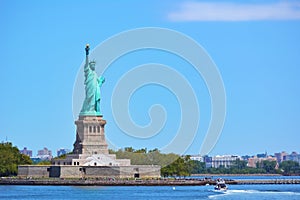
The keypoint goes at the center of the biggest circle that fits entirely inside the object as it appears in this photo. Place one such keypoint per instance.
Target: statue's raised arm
(86, 66)
(87, 51)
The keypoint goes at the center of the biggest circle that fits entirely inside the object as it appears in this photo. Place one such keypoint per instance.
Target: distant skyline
(256, 53)
(55, 151)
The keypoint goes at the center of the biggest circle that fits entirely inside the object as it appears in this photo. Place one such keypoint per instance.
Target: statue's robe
(91, 105)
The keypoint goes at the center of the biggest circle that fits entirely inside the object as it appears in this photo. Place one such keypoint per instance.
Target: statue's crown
(93, 62)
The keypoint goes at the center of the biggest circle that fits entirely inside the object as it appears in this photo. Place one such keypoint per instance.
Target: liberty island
(90, 157)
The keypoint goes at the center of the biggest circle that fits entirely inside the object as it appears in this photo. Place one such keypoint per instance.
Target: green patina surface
(91, 104)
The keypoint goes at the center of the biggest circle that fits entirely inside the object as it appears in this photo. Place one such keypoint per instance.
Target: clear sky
(255, 45)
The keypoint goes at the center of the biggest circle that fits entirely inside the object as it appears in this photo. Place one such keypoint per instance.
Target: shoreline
(138, 182)
(213, 175)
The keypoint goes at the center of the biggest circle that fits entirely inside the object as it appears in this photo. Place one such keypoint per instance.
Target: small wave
(242, 191)
(229, 192)
(233, 192)
(281, 192)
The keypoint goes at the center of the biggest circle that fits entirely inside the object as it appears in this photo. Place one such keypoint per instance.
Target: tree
(156, 149)
(141, 150)
(197, 167)
(182, 166)
(44, 162)
(10, 158)
(269, 166)
(239, 164)
(169, 170)
(129, 149)
(290, 167)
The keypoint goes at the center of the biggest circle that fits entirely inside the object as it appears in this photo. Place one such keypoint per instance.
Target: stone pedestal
(90, 147)
(90, 136)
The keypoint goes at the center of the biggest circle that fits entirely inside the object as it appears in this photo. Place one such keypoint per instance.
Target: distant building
(26, 151)
(198, 158)
(62, 151)
(246, 157)
(294, 156)
(224, 161)
(280, 156)
(262, 155)
(208, 161)
(254, 160)
(44, 154)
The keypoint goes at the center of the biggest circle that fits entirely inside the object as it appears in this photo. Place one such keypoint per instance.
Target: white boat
(220, 185)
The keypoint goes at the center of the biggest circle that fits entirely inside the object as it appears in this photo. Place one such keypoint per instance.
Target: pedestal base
(90, 136)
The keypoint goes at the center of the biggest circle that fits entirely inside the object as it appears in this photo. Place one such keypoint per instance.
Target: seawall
(269, 181)
(139, 182)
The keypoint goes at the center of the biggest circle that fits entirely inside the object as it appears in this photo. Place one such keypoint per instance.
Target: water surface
(262, 192)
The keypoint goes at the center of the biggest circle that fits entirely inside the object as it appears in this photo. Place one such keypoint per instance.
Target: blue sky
(256, 47)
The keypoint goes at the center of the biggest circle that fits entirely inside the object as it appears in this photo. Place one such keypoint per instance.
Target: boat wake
(245, 192)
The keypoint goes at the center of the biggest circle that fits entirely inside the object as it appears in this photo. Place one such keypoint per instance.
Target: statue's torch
(87, 48)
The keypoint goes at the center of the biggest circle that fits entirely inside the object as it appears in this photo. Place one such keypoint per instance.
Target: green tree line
(175, 165)
(144, 157)
(10, 158)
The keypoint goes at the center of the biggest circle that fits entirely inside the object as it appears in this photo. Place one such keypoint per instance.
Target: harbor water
(265, 191)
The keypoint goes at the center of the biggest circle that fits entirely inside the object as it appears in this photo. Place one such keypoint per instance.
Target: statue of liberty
(91, 104)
